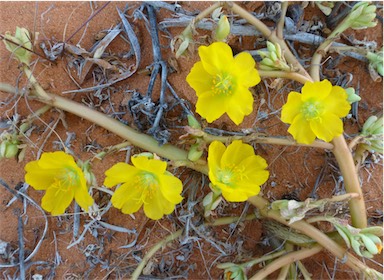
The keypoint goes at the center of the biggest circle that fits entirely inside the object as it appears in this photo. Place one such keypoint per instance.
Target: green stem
(257, 138)
(324, 47)
(280, 24)
(112, 149)
(286, 260)
(263, 259)
(351, 181)
(304, 271)
(286, 75)
(135, 275)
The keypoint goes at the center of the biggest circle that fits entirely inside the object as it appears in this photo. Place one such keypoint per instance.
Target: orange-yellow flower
(235, 170)
(146, 182)
(58, 174)
(316, 112)
(222, 83)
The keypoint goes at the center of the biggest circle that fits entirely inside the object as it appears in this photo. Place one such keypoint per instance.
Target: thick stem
(257, 138)
(286, 75)
(286, 260)
(136, 138)
(351, 181)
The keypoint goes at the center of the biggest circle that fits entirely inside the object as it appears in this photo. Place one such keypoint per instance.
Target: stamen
(222, 84)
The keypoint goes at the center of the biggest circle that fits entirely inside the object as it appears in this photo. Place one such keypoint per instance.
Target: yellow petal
(211, 106)
(245, 70)
(316, 90)
(234, 196)
(327, 127)
(127, 193)
(301, 130)
(56, 160)
(216, 58)
(151, 165)
(171, 188)
(38, 178)
(244, 190)
(157, 206)
(83, 198)
(199, 79)
(254, 170)
(57, 199)
(119, 173)
(292, 108)
(132, 206)
(241, 104)
(235, 153)
(215, 152)
(336, 102)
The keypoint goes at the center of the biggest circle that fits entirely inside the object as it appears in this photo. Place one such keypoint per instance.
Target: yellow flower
(58, 174)
(236, 170)
(222, 83)
(316, 112)
(146, 182)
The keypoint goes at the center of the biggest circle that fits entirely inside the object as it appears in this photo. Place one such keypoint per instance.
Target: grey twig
(17, 193)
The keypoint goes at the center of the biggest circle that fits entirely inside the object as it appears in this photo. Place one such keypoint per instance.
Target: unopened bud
(21, 39)
(223, 29)
(195, 152)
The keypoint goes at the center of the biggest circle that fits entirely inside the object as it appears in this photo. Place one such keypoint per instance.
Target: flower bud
(9, 149)
(192, 122)
(352, 96)
(223, 29)
(369, 244)
(21, 38)
(376, 61)
(195, 152)
(362, 16)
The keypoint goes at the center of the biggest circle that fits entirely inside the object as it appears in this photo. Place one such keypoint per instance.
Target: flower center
(69, 178)
(222, 84)
(229, 175)
(149, 183)
(311, 110)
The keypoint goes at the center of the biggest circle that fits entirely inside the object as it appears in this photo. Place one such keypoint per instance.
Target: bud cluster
(373, 135)
(273, 59)
(365, 242)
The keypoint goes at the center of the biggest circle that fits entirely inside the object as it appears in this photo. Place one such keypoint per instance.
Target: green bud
(9, 149)
(273, 56)
(271, 47)
(367, 125)
(211, 201)
(262, 54)
(195, 152)
(182, 48)
(352, 96)
(376, 61)
(21, 38)
(223, 29)
(369, 244)
(278, 51)
(192, 122)
(268, 62)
